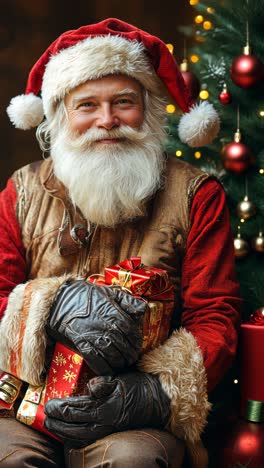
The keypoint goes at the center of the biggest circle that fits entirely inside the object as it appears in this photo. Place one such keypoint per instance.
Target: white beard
(109, 183)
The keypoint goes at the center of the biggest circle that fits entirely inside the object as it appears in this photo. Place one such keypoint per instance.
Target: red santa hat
(106, 48)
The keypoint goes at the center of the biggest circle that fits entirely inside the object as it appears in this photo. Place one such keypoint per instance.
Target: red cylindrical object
(252, 364)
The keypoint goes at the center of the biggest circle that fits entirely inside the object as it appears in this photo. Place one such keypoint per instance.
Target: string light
(178, 153)
(235, 381)
(198, 19)
(204, 94)
(170, 108)
(207, 25)
(194, 58)
(194, 2)
(170, 47)
(242, 220)
(198, 37)
(261, 113)
(210, 10)
(197, 155)
(261, 171)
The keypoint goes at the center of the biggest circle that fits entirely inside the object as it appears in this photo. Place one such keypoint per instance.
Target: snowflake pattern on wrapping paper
(59, 360)
(69, 376)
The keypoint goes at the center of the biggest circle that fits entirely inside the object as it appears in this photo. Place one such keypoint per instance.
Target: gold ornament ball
(246, 209)
(258, 243)
(241, 247)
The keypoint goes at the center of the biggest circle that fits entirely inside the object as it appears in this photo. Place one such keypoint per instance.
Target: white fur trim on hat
(200, 125)
(91, 59)
(25, 111)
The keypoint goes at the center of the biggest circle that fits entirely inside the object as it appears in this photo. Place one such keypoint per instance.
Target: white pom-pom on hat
(26, 111)
(200, 125)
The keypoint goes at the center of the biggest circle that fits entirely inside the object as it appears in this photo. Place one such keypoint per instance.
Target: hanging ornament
(236, 156)
(246, 209)
(258, 243)
(247, 70)
(241, 246)
(225, 96)
(189, 77)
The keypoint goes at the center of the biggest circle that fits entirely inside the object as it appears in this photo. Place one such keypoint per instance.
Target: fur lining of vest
(179, 365)
(23, 340)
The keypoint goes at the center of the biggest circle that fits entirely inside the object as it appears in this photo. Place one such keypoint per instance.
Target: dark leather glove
(114, 404)
(102, 324)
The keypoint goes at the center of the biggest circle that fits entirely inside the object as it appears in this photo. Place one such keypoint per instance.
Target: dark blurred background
(27, 27)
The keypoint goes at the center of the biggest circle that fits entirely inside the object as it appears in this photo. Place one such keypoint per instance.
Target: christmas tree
(224, 64)
(226, 57)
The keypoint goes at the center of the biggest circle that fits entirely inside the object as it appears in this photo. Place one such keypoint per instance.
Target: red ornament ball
(247, 70)
(225, 97)
(237, 157)
(242, 445)
(192, 83)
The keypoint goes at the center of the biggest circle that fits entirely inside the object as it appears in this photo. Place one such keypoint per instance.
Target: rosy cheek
(135, 118)
(80, 123)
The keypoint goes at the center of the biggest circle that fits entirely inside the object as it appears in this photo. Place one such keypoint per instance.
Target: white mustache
(92, 136)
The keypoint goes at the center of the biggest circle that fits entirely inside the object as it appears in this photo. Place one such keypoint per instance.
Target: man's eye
(86, 104)
(124, 101)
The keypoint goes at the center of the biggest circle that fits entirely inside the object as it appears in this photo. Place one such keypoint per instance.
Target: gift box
(252, 367)
(150, 283)
(68, 373)
(67, 376)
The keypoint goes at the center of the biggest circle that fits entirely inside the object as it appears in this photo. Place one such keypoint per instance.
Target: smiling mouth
(109, 141)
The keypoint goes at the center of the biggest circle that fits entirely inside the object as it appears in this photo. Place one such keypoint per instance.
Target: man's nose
(107, 117)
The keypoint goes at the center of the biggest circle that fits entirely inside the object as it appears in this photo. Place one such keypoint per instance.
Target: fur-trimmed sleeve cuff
(179, 365)
(23, 339)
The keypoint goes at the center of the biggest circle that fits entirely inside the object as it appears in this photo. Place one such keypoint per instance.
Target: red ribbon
(257, 318)
(131, 263)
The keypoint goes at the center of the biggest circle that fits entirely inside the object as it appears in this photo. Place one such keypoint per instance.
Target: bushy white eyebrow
(124, 92)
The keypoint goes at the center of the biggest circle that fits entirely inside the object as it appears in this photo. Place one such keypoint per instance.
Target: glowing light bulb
(178, 153)
(170, 47)
(204, 94)
(198, 19)
(210, 10)
(242, 220)
(207, 25)
(261, 171)
(194, 58)
(197, 155)
(170, 108)
(235, 381)
(261, 113)
(194, 2)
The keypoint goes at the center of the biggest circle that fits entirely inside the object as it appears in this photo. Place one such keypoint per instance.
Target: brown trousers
(23, 447)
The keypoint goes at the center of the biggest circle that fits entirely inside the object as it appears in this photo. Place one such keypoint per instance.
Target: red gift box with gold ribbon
(252, 364)
(150, 283)
(67, 376)
(68, 373)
